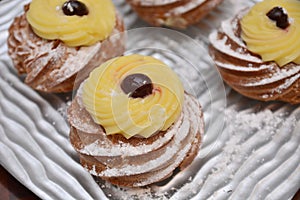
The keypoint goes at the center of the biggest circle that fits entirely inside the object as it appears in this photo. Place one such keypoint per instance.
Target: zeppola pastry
(257, 52)
(173, 13)
(54, 40)
(132, 123)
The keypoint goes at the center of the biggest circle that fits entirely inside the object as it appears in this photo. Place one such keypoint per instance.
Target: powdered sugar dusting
(177, 148)
(250, 135)
(221, 45)
(228, 27)
(155, 2)
(187, 7)
(104, 148)
(287, 83)
(281, 74)
(161, 160)
(75, 62)
(50, 65)
(243, 68)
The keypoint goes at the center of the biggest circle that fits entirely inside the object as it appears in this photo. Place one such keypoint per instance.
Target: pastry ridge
(137, 161)
(173, 13)
(246, 72)
(50, 65)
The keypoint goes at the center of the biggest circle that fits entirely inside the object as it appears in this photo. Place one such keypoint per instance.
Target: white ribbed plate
(256, 156)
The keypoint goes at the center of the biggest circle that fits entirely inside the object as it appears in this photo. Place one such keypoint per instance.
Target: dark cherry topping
(137, 85)
(278, 15)
(74, 7)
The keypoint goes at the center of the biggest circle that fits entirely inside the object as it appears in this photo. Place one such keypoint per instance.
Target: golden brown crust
(155, 154)
(92, 163)
(178, 14)
(246, 73)
(130, 181)
(192, 153)
(86, 137)
(51, 66)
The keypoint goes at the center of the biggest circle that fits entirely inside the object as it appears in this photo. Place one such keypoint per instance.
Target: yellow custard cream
(109, 97)
(267, 33)
(76, 23)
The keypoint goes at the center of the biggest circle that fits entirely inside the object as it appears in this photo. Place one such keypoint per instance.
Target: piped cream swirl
(49, 22)
(117, 112)
(272, 43)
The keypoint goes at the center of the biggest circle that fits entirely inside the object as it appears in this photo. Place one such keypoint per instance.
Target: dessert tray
(250, 149)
